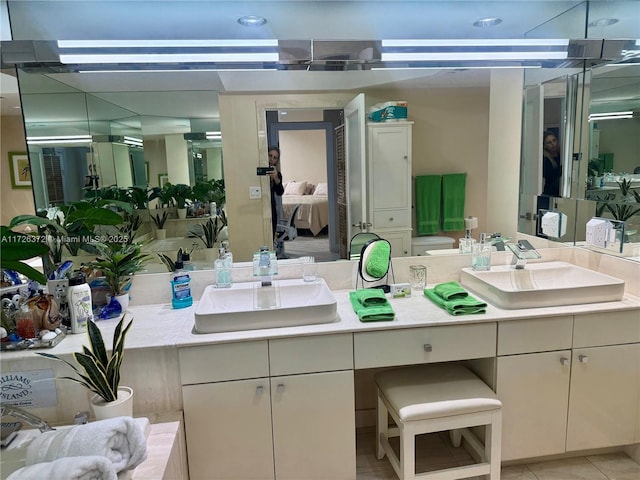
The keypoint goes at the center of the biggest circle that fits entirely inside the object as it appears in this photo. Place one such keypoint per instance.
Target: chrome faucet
(265, 267)
(31, 419)
(522, 251)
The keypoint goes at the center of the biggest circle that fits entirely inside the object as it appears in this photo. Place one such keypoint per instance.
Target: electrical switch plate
(255, 192)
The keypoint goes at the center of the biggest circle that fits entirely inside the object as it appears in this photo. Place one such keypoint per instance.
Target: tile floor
(613, 466)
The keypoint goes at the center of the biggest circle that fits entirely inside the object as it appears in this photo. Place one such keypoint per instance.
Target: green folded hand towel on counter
(371, 297)
(376, 313)
(460, 305)
(450, 291)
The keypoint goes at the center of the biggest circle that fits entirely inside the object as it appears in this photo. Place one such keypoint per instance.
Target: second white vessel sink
(249, 306)
(547, 284)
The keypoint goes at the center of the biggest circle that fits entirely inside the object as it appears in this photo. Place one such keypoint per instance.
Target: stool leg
(456, 437)
(407, 455)
(382, 427)
(493, 444)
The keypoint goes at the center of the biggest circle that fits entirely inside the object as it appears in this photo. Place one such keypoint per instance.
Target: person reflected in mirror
(277, 189)
(551, 165)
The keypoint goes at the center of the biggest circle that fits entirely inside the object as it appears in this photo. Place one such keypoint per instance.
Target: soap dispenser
(222, 268)
(481, 259)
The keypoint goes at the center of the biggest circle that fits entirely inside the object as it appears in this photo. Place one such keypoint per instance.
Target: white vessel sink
(547, 284)
(249, 306)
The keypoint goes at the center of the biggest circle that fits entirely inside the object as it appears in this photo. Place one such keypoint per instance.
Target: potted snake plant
(100, 373)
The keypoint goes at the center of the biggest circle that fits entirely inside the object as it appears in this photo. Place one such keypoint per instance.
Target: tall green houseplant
(98, 372)
(118, 262)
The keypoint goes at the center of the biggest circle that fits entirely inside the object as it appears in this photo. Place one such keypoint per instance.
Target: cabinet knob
(564, 361)
(391, 219)
(280, 388)
(427, 347)
(583, 359)
(259, 390)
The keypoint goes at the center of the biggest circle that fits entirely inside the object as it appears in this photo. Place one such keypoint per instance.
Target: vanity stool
(434, 398)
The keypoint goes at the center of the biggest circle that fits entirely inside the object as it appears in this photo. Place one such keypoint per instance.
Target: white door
(355, 141)
(531, 171)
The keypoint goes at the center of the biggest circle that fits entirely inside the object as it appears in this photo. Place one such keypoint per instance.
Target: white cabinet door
(228, 430)
(389, 165)
(314, 426)
(400, 242)
(533, 389)
(603, 404)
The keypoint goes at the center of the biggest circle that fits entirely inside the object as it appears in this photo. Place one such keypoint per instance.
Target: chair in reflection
(357, 242)
(286, 230)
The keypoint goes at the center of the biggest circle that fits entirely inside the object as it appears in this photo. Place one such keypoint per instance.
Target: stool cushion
(435, 390)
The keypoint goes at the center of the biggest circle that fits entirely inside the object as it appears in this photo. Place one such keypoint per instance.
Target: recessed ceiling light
(252, 20)
(487, 22)
(603, 22)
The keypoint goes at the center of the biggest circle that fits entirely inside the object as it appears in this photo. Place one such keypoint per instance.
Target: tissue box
(388, 112)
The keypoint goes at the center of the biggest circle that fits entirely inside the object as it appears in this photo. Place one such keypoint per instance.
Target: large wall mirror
(595, 113)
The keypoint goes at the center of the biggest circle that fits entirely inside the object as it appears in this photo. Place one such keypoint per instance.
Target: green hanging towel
(453, 191)
(427, 201)
(376, 263)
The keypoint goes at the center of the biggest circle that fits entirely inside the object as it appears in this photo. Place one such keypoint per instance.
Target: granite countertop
(161, 326)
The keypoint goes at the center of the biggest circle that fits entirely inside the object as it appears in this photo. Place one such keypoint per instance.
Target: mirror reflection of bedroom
(306, 142)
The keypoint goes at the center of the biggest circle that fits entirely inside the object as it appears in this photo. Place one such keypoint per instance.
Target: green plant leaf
(97, 343)
(96, 376)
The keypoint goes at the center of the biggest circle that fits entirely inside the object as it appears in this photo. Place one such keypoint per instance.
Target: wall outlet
(255, 192)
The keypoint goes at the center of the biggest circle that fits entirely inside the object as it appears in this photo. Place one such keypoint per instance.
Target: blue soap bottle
(181, 288)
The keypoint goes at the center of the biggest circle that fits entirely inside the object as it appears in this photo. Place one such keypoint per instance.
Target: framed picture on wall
(162, 179)
(20, 170)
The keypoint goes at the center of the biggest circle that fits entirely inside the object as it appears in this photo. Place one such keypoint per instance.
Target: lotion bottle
(79, 300)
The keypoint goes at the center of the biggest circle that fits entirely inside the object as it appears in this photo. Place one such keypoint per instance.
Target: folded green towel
(382, 312)
(427, 201)
(377, 260)
(462, 306)
(450, 291)
(371, 297)
(453, 191)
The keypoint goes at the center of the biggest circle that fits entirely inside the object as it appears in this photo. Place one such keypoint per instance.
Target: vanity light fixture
(473, 50)
(213, 135)
(596, 117)
(167, 51)
(44, 140)
(136, 142)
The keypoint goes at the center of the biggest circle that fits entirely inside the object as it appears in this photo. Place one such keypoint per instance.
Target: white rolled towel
(68, 468)
(121, 440)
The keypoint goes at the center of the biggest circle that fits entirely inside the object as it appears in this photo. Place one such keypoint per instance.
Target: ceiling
(287, 20)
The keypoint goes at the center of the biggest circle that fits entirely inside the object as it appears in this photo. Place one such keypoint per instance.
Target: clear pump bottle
(222, 268)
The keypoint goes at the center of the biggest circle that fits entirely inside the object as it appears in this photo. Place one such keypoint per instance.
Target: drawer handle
(583, 359)
(564, 361)
(280, 388)
(427, 347)
(259, 390)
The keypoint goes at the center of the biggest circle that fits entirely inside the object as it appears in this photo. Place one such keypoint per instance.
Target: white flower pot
(182, 213)
(123, 300)
(161, 233)
(122, 407)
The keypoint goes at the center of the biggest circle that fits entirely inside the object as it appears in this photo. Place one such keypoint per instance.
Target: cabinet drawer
(535, 335)
(321, 353)
(391, 218)
(606, 328)
(228, 361)
(424, 345)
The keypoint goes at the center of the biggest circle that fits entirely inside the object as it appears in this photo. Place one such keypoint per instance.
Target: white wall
(303, 156)
(177, 159)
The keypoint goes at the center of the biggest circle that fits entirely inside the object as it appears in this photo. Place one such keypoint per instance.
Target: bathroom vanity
(284, 403)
